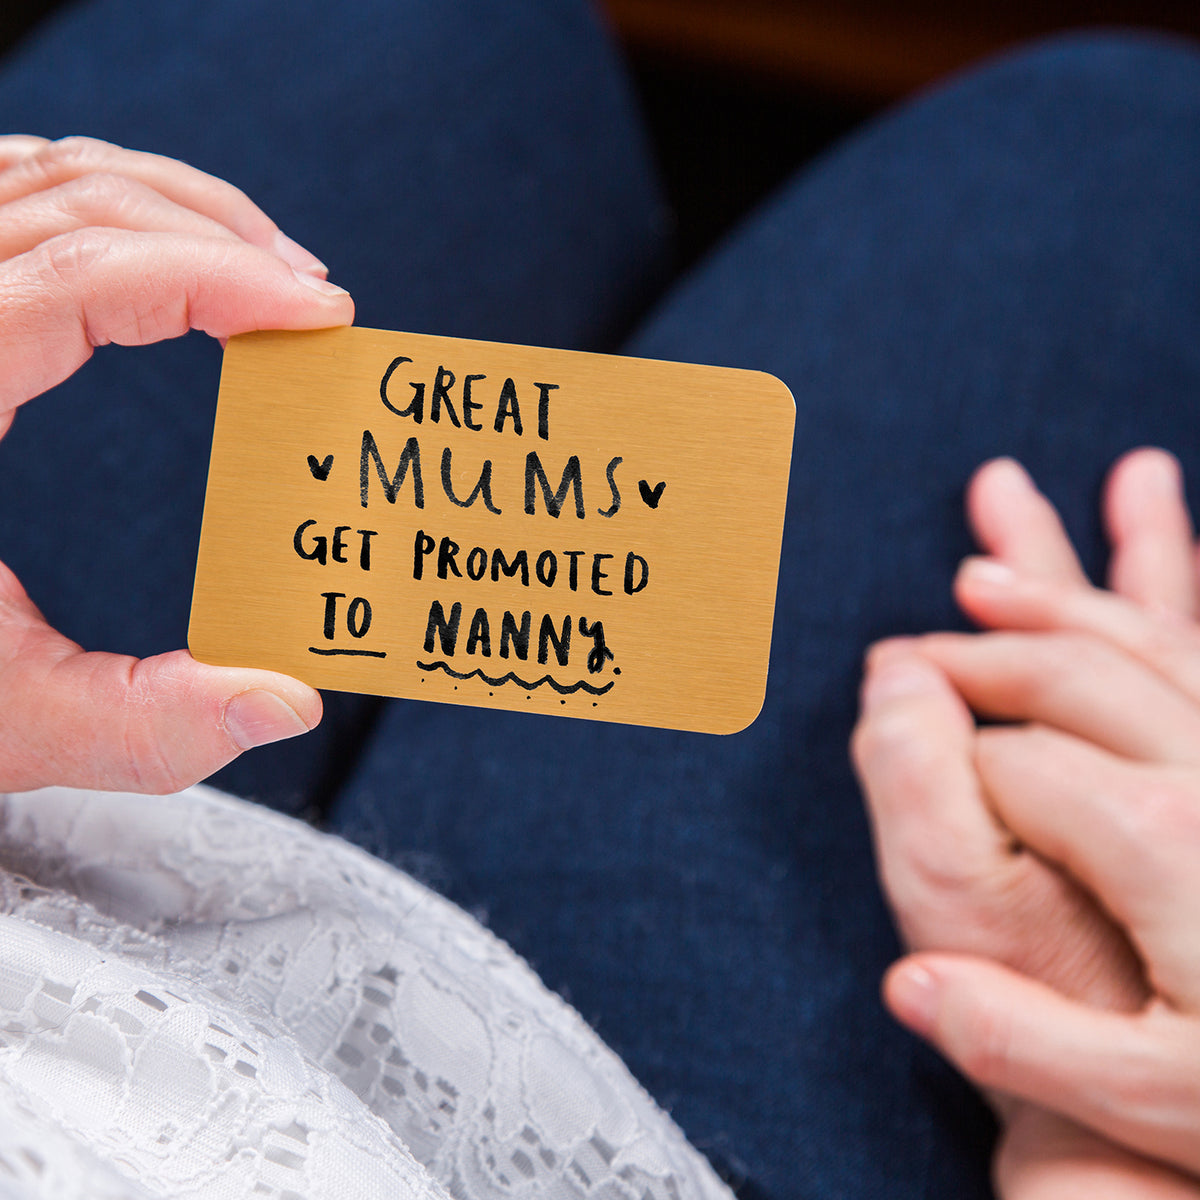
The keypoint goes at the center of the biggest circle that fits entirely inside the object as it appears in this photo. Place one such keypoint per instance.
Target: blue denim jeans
(1010, 264)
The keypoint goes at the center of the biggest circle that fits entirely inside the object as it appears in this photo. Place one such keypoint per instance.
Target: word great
(508, 406)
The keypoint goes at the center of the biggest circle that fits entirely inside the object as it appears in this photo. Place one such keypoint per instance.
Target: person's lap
(1008, 267)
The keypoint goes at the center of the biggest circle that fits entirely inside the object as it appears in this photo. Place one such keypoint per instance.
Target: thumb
(1131, 1078)
(113, 722)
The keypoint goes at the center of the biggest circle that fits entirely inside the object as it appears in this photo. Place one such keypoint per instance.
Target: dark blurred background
(737, 93)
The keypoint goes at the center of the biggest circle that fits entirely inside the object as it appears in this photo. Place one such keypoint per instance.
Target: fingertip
(887, 648)
(336, 301)
(1004, 473)
(995, 488)
(985, 588)
(898, 673)
(979, 573)
(1147, 473)
(912, 993)
(1005, 468)
(320, 284)
(258, 716)
(1144, 472)
(1157, 457)
(1150, 529)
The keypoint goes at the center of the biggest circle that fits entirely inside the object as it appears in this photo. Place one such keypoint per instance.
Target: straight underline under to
(356, 653)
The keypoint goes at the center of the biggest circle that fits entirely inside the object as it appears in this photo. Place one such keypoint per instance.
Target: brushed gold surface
(305, 418)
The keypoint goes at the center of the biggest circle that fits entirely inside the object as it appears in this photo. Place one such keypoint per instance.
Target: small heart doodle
(320, 470)
(651, 495)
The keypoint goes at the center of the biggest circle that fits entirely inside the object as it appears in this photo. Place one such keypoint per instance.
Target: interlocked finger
(16, 146)
(1128, 832)
(1013, 521)
(1072, 682)
(1153, 559)
(1134, 1079)
(913, 750)
(996, 596)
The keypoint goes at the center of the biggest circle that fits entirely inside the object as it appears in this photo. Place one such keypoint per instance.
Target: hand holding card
(104, 245)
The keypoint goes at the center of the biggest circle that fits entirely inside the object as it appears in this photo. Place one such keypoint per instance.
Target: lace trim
(209, 999)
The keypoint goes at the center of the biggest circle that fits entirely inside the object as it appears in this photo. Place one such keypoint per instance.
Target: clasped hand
(99, 245)
(1046, 865)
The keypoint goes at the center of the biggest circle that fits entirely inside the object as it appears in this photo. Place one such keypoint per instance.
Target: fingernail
(988, 571)
(296, 256)
(319, 285)
(899, 680)
(1010, 473)
(256, 718)
(913, 995)
(887, 648)
(1164, 472)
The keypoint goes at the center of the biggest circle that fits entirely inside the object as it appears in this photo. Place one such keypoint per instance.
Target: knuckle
(158, 763)
(986, 1049)
(1051, 664)
(1158, 641)
(934, 861)
(99, 195)
(892, 736)
(70, 256)
(1072, 652)
(1162, 812)
(72, 153)
(151, 768)
(995, 745)
(1151, 1077)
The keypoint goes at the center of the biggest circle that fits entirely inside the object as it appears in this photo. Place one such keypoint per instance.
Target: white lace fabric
(201, 998)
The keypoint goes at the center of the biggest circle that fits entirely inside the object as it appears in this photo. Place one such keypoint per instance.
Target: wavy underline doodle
(563, 689)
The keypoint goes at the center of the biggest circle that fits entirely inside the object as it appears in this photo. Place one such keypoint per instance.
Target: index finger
(913, 752)
(16, 146)
(1013, 521)
(95, 286)
(44, 166)
(996, 596)
(1075, 683)
(1153, 558)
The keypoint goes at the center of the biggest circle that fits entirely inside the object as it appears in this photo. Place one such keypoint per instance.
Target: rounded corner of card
(740, 718)
(196, 646)
(774, 387)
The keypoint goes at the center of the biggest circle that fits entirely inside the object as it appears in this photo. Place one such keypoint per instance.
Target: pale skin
(102, 245)
(1046, 872)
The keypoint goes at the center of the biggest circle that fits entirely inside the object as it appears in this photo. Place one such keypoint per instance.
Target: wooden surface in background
(863, 49)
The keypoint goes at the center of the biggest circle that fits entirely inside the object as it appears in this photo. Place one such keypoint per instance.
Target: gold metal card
(493, 525)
